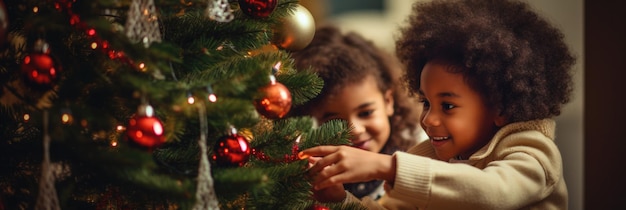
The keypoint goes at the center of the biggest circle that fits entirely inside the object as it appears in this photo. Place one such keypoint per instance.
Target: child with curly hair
(361, 86)
(491, 74)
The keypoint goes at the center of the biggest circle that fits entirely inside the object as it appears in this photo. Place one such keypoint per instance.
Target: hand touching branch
(344, 164)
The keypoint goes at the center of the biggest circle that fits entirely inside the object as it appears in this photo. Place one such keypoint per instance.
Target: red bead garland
(287, 158)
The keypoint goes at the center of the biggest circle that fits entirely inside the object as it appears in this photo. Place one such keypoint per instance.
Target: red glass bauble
(258, 8)
(275, 101)
(319, 207)
(231, 151)
(146, 131)
(40, 68)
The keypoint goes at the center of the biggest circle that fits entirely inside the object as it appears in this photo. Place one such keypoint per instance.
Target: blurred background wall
(379, 21)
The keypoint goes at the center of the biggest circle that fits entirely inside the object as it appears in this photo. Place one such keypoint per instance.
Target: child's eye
(447, 106)
(425, 102)
(366, 113)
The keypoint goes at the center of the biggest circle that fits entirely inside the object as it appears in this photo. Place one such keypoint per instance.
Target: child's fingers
(322, 163)
(331, 194)
(327, 168)
(311, 169)
(318, 151)
(330, 177)
(324, 184)
(321, 158)
(313, 160)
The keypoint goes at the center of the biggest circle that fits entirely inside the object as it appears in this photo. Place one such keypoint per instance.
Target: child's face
(366, 108)
(456, 118)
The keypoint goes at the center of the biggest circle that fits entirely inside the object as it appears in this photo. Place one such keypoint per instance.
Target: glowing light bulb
(212, 98)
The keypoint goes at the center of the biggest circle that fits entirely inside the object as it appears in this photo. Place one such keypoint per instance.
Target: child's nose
(431, 119)
(357, 127)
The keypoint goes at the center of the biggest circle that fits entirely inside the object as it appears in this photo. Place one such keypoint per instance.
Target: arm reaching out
(345, 164)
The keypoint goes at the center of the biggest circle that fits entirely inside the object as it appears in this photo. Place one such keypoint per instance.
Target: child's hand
(344, 164)
(335, 193)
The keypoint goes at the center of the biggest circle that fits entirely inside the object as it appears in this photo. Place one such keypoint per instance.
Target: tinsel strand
(47, 199)
(142, 22)
(205, 193)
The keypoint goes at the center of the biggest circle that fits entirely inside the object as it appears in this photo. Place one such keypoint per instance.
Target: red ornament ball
(258, 8)
(275, 101)
(231, 151)
(146, 131)
(40, 68)
(319, 207)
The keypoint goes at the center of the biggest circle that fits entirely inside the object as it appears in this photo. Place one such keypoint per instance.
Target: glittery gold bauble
(246, 133)
(295, 31)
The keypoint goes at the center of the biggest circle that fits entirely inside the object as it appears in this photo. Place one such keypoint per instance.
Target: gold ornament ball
(295, 31)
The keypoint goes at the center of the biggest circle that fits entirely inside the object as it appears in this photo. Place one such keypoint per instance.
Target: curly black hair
(343, 59)
(513, 56)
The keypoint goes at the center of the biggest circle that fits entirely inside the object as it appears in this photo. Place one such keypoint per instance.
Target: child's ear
(388, 97)
(500, 120)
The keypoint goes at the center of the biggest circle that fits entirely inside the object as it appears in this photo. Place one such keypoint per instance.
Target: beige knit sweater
(520, 168)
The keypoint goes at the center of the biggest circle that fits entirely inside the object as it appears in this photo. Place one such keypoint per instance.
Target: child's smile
(438, 141)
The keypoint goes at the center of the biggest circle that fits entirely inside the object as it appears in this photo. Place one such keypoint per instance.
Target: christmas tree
(156, 104)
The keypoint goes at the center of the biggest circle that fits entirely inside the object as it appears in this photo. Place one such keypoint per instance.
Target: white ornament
(220, 11)
(205, 194)
(142, 24)
(47, 199)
